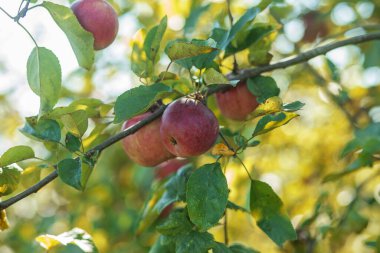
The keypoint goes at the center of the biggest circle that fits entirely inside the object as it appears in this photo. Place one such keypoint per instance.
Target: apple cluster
(99, 18)
(187, 127)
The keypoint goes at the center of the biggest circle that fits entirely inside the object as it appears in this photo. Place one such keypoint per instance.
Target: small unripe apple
(169, 167)
(145, 146)
(188, 128)
(237, 102)
(99, 18)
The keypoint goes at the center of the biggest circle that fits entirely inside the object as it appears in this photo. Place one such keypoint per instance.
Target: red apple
(237, 102)
(99, 18)
(169, 167)
(188, 128)
(145, 146)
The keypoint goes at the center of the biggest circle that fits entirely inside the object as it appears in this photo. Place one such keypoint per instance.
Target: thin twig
(225, 228)
(6, 13)
(242, 75)
(235, 67)
(303, 57)
(30, 35)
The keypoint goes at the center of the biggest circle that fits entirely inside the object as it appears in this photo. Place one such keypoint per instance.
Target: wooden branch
(243, 74)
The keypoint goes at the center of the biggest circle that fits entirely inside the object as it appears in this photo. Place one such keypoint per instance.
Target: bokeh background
(293, 159)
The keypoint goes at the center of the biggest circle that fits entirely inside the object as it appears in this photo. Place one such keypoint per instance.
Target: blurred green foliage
(299, 160)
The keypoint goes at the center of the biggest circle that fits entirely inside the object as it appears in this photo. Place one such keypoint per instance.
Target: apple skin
(145, 146)
(237, 102)
(99, 18)
(188, 128)
(169, 167)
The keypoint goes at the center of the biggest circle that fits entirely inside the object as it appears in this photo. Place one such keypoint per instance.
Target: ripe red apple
(237, 102)
(145, 146)
(188, 128)
(99, 18)
(169, 167)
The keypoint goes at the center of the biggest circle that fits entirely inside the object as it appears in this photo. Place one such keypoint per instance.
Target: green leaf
(245, 39)
(160, 247)
(211, 76)
(70, 172)
(81, 41)
(263, 87)
(176, 224)
(268, 211)
(270, 122)
(371, 55)
(9, 180)
(206, 195)
(163, 195)
(204, 60)
(194, 17)
(177, 50)
(87, 168)
(233, 206)
(292, 107)
(77, 240)
(335, 76)
(16, 154)
(73, 143)
(220, 248)
(137, 100)
(44, 77)
(247, 17)
(238, 248)
(75, 122)
(42, 130)
(140, 65)
(153, 40)
(194, 242)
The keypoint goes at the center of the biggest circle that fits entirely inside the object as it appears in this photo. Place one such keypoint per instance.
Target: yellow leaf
(271, 105)
(222, 149)
(4, 224)
(181, 50)
(48, 241)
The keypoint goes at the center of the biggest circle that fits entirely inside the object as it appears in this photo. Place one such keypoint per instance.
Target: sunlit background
(293, 159)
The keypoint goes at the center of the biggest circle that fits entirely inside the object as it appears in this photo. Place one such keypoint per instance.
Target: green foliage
(366, 143)
(137, 100)
(267, 209)
(196, 200)
(72, 142)
(42, 129)
(238, 248)
(206, 195)
(194, 16)
(70, 172)
(153, 40)
(263, 87)
(44, 77)
(211, 76)
(16, 154)
(9, 179)
(80, 40)
(195, 53)
(75, 122)
(246, 38)
(164, 194)
(248, 16)
(270, 122)
(292, 107)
